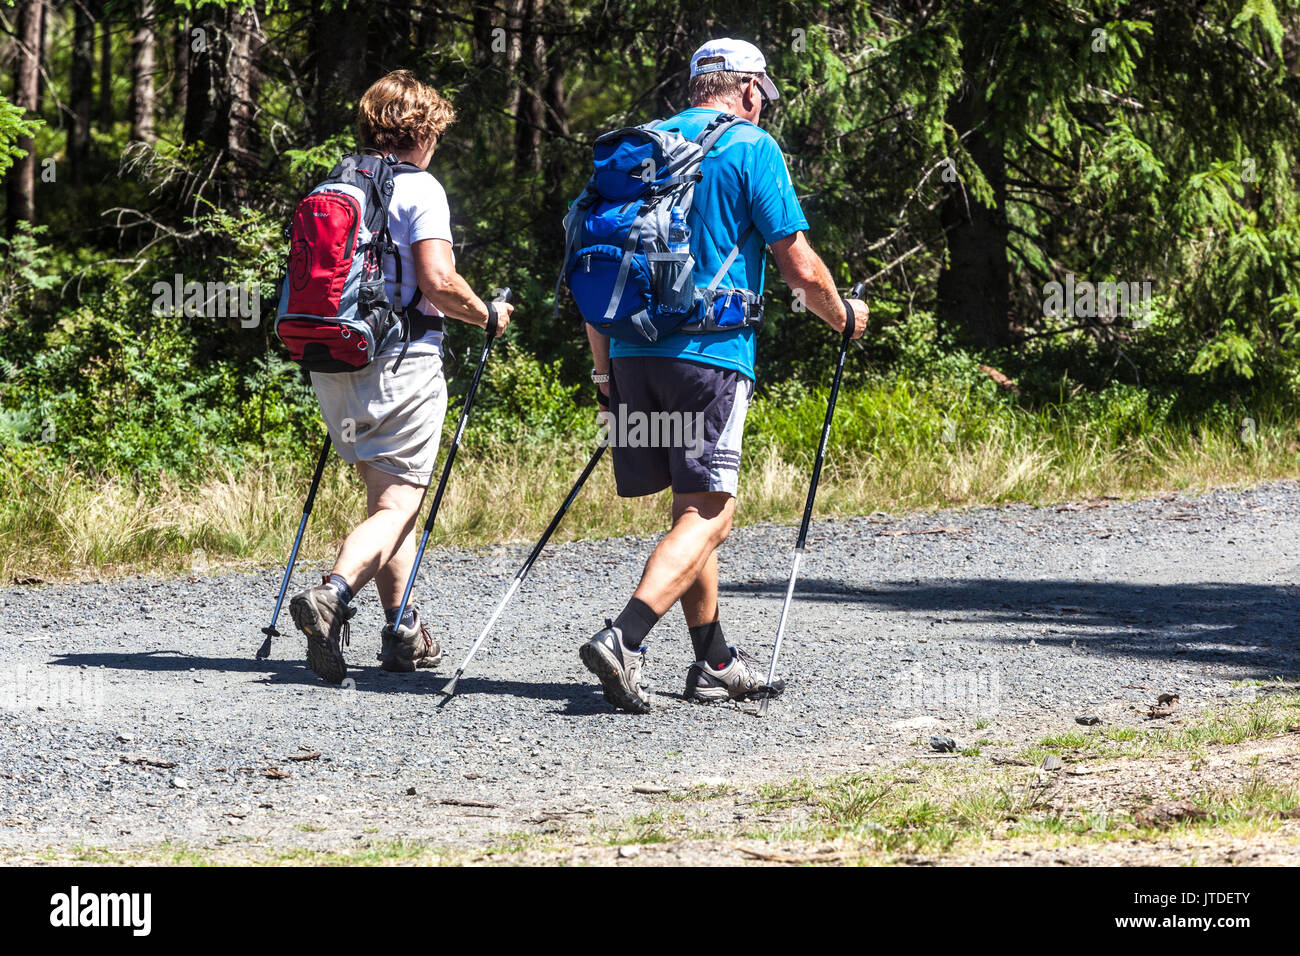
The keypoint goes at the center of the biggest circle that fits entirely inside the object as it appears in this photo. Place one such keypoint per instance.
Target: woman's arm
(435, 271)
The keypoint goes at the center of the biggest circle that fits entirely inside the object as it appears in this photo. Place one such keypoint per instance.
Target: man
(744, 197)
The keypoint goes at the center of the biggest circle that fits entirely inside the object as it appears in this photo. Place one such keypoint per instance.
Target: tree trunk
(81, 93)
(426, 30)
(514, 50)
(974, 289)
(105, 118)
(200, 103)
(181, 68)
(20, 185)
(495, 49)
(675, 44)
(557, 164)
(528, 71)
(339, 70)
(483, 27)
(142, 74)
(242, 44)
(43, 56)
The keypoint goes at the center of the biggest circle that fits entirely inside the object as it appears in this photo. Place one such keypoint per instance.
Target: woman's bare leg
(383, 546)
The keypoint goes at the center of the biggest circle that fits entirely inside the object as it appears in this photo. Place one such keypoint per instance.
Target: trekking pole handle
(504, 296)
(850, 323)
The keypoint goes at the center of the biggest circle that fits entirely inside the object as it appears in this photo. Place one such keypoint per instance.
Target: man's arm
(435, 271)
(802, 269)
(599, 355)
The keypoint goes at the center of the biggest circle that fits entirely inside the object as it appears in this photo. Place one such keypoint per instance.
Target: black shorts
(675, 423)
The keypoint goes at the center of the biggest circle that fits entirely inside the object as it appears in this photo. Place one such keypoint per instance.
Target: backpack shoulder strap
(374, 177)
(731, 258)
(719, 125)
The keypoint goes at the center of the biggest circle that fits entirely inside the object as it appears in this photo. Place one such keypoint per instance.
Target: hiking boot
(618, 668)
(323, 617)
(403, 649)
(741, 678)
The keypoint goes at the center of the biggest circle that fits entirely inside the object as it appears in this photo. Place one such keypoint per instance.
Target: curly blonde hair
(399, 112)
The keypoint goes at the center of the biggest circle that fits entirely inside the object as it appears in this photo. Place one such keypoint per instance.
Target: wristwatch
(600, 378)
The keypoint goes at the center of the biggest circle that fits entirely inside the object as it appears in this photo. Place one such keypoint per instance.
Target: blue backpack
(627, 280)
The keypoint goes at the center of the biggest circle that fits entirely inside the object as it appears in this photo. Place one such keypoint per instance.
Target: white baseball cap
(738, 56)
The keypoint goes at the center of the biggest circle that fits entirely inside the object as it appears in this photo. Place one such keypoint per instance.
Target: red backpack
(334, 314)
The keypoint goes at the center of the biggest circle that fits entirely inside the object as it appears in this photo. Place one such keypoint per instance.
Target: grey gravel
(1006, 631)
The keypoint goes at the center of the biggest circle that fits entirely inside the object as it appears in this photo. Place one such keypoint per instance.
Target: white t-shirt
(417, 211)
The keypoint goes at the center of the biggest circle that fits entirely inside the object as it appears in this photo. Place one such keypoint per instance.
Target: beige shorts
(391, 421)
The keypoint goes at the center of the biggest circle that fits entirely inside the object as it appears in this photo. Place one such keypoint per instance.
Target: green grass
(888, 452)
(932, 809)
(657, 826)
(702, 792)
(1267, 717)
(162, 854)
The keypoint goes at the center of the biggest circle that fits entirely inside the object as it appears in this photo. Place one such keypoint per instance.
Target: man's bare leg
(684, 564)
(701, 522)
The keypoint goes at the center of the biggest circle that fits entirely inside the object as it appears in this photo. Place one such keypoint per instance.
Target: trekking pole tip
(264, 651)
(450, 688)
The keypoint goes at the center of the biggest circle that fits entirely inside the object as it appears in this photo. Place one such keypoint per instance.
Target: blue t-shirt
(745, 181)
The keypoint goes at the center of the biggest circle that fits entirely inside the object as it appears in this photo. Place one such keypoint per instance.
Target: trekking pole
(451, 453)
(265, 650)
(849, 324)
(450, 688)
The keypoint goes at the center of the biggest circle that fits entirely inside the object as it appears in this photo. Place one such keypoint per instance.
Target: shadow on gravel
(366, 679)
(1249, 625)
(284, 670)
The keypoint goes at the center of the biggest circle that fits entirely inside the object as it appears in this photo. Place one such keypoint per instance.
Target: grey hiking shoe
(740, 679)
(403, 649)
(618, 668)
(323, 617)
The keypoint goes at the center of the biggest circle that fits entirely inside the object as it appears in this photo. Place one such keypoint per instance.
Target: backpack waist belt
(433, 322)
(750, 302)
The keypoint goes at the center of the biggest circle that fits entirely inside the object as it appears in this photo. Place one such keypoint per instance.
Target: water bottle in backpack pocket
(674, 270)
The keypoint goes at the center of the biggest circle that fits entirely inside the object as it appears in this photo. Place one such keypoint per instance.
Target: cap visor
(769, 88)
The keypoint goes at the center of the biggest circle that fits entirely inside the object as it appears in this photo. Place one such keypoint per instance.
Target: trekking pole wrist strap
(850, 323)
(491, 325)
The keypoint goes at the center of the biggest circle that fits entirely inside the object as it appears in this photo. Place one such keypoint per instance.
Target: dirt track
(134, 713)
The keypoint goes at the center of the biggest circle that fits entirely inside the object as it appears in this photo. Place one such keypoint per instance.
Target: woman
(388, 423)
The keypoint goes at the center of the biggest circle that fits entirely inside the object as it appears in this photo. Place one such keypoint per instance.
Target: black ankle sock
(635, 623)
(408, 619)
(710, 645)
(341, 585)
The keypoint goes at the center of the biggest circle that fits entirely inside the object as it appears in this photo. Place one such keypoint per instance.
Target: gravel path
(133, 712)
